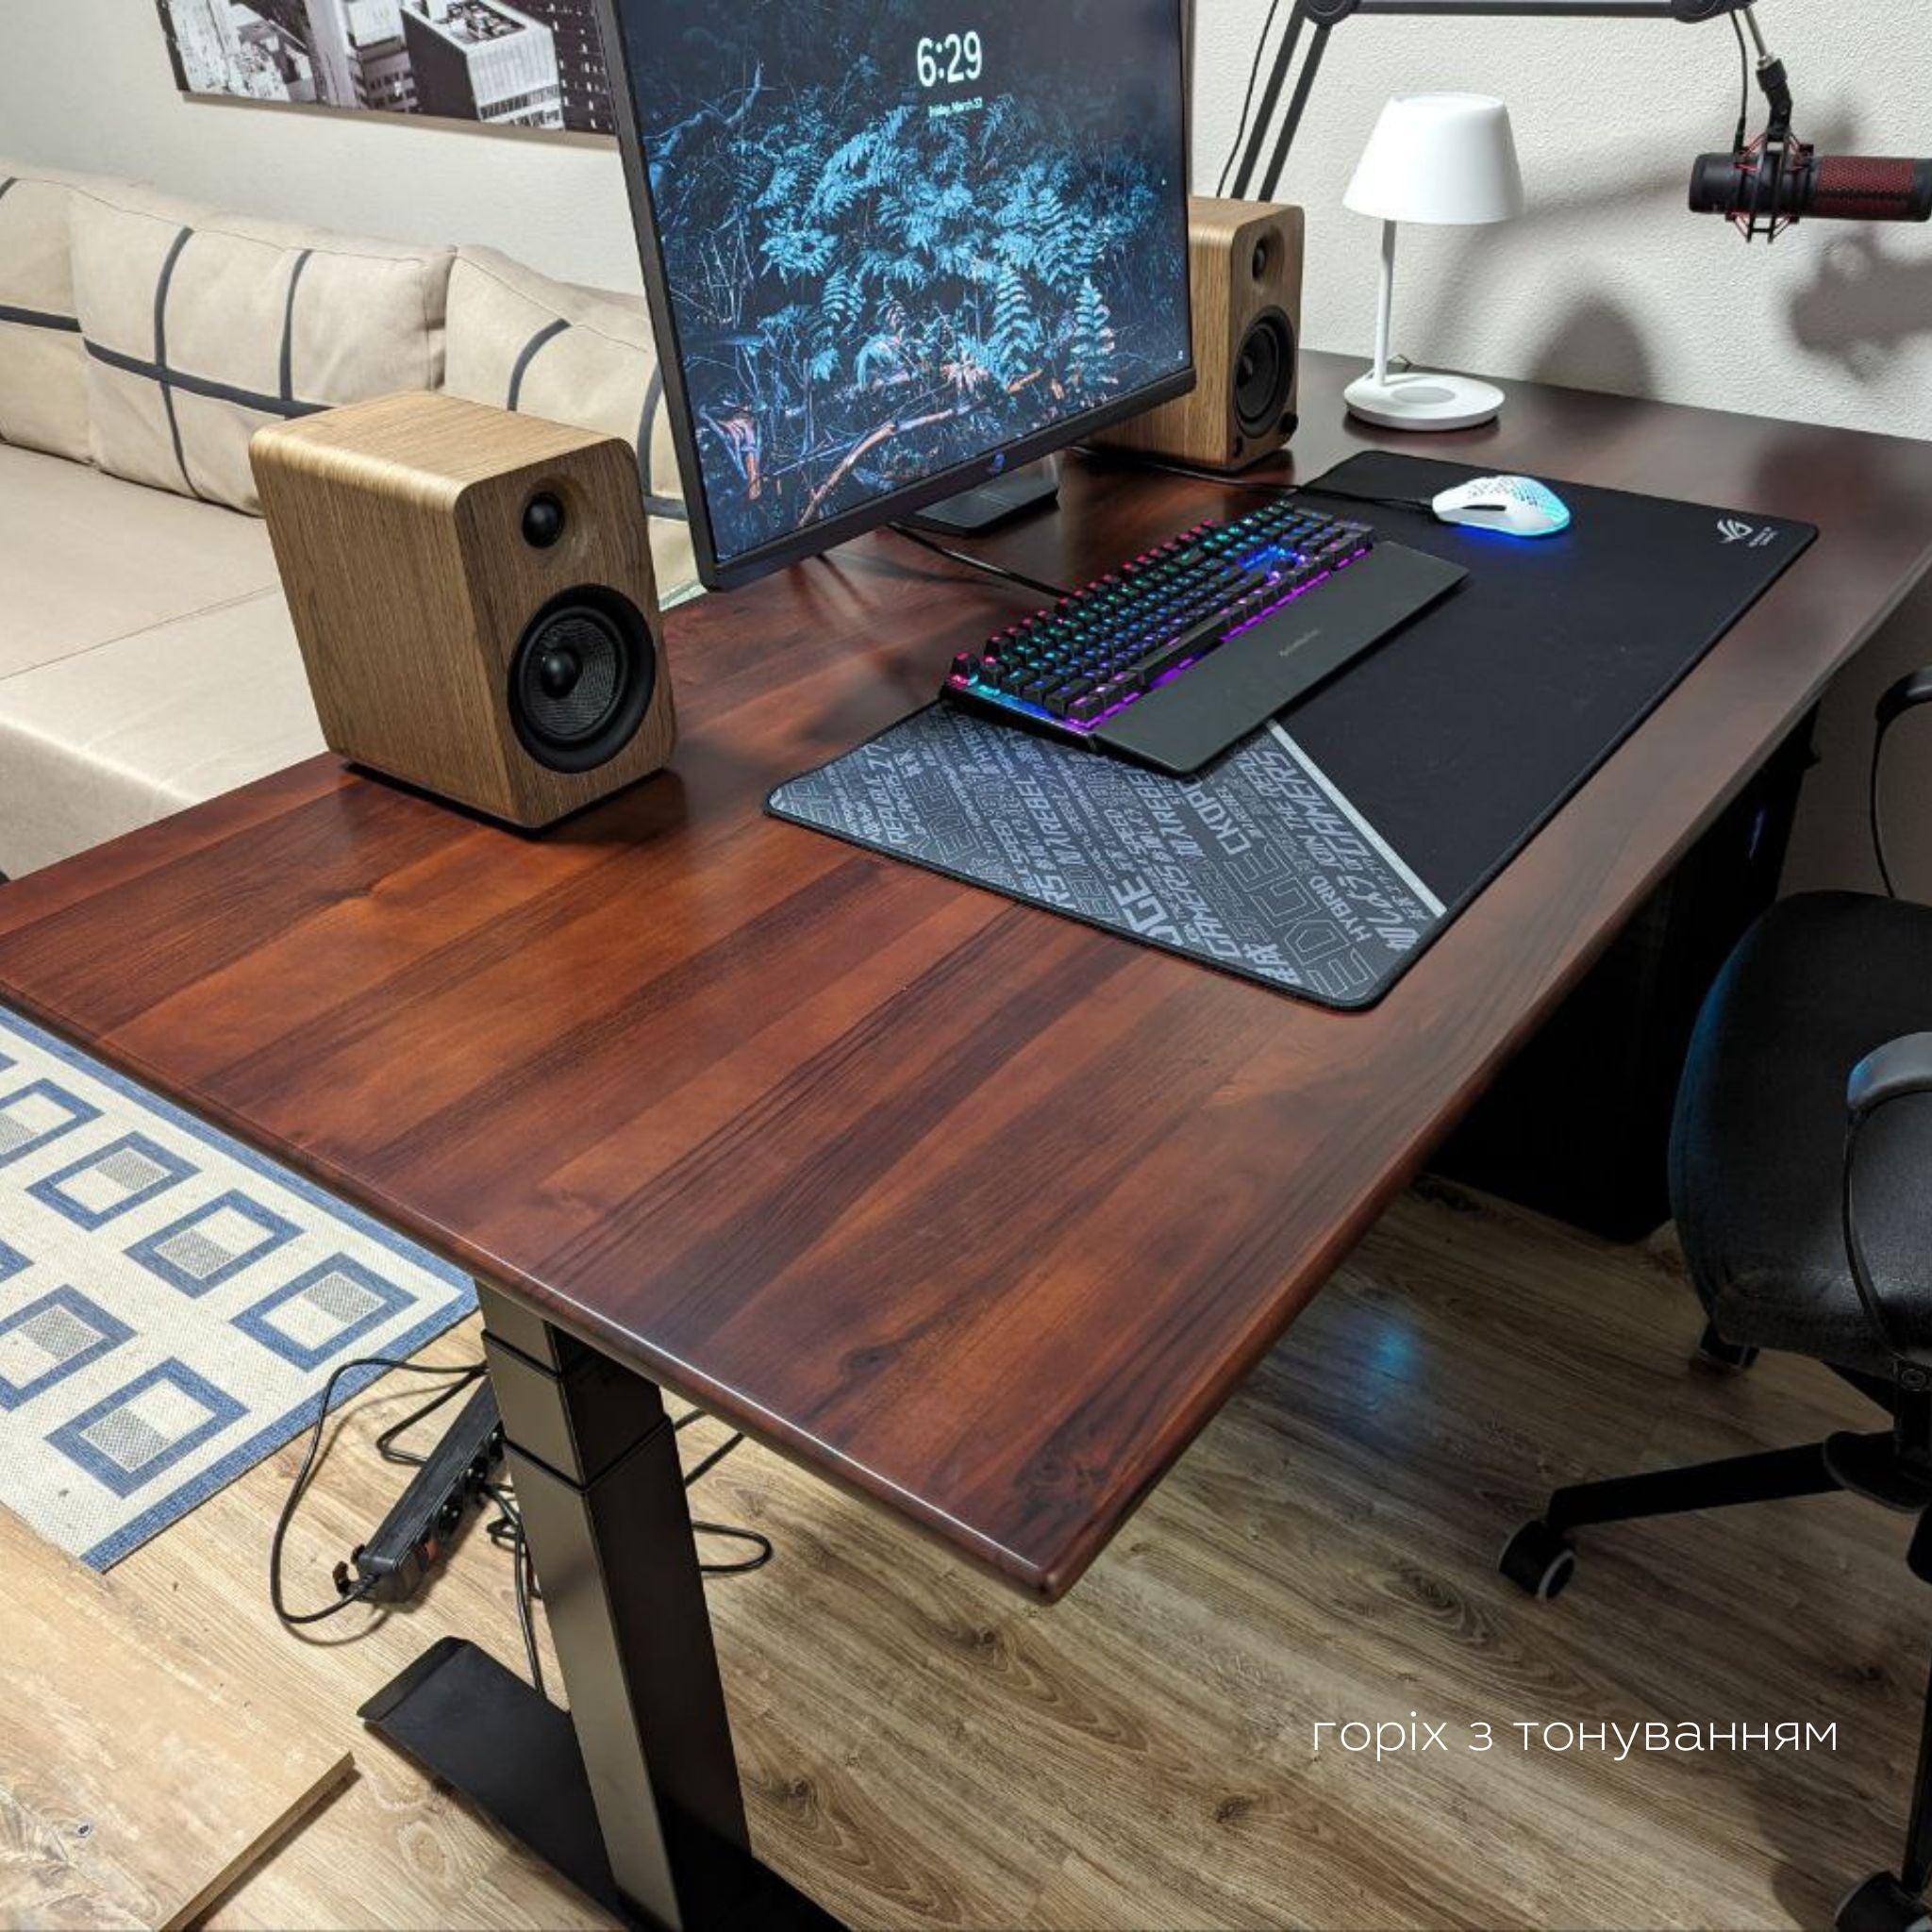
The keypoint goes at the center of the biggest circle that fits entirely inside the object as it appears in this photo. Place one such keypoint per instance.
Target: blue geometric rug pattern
(171, 1302)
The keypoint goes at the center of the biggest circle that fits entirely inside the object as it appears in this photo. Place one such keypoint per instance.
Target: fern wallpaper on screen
(899, 237)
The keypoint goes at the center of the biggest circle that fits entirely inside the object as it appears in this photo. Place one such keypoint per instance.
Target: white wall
(86, 84)
(1606, 283)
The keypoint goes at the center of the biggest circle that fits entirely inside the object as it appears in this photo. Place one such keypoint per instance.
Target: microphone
(1775, 184)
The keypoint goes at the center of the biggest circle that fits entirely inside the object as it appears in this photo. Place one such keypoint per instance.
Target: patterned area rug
(171, 1303)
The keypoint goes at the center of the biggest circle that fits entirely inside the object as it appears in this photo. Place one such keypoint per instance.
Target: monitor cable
(1110, 459)
(979, 564)
(1227, 479)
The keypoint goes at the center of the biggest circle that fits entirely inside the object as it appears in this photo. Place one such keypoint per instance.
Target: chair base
(1721, 1357)
(1893, 1467)
(1539, 1559)
(1881, 1904)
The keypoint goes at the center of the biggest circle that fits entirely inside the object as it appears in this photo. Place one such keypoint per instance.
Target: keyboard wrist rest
(1282, 657)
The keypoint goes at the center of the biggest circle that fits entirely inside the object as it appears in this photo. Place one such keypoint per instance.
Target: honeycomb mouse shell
(1517, 506)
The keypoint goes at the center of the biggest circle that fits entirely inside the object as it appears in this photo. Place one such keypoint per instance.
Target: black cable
(761, 1542)
(1241, 133)
(980, 563)
(359, 1590)
(1297, 107)
(1228, 480)
(712, 1461)
(407, 1457)
(1415, 502)
(1744, 92)
(508, 1531)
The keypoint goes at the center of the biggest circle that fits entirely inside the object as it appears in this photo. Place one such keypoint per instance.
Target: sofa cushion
(202, 326)
(578, 356)
(144, 726)
(43, 367)
(85, 559)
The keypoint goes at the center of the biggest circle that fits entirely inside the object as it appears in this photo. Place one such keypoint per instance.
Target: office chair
(1801, 1178)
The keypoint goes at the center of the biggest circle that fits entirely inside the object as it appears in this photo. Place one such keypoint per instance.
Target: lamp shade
(1446, 159)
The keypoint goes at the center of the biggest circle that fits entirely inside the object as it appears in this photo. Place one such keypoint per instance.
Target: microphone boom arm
(1323, 16)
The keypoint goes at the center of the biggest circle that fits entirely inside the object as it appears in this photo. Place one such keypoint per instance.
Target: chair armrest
(1895, 1071)
(1914, 690)
(1899, 1068)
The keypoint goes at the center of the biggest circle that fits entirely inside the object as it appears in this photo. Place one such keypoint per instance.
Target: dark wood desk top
(965, 1205)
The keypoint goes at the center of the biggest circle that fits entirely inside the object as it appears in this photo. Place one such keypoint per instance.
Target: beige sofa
(147, 658)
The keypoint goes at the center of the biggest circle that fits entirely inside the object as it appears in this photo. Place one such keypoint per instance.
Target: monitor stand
(992, 502)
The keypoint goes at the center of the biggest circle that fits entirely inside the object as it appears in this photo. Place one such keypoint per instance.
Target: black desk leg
(635, 1795)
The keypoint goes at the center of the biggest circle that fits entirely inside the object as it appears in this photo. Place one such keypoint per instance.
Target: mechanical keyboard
(1190, 647)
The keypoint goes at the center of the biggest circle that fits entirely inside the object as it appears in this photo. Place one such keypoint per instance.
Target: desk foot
(510, 1751)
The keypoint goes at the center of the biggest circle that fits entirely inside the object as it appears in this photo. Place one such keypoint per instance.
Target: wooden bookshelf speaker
(1245, 261)
(473, 597)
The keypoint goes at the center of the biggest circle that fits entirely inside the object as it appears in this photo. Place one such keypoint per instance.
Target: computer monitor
(896, 248)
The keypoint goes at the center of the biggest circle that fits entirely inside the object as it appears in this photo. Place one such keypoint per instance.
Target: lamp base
(1416, 400)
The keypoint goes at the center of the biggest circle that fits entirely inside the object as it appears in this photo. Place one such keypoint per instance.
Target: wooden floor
(920, 1748)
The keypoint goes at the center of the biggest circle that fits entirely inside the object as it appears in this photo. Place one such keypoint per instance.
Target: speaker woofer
(1264, 374)
(582, 678)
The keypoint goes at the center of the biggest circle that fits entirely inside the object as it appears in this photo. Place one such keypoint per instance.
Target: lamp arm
(1323, 16)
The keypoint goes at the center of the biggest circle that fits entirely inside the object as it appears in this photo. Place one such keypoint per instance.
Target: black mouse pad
(1322, 856)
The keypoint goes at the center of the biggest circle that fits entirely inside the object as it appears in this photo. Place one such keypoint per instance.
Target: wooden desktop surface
(969, 1206)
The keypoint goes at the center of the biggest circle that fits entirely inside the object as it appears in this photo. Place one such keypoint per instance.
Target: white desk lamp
(1447, 159)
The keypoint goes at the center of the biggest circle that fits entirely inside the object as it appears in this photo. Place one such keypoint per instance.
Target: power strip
(412, 1538)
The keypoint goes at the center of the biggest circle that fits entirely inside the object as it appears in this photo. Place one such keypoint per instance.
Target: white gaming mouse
(1517, 506)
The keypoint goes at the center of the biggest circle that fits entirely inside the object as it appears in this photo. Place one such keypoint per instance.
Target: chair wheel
(1539, 1559)
(1725, 1357)
(1881, 1904)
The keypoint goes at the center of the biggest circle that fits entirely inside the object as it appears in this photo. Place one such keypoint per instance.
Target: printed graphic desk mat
(1326, 853)
(1262, 868)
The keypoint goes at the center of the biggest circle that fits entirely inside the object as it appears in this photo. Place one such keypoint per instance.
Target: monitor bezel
(798, 545)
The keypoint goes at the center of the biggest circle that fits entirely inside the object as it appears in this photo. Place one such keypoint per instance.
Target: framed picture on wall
(539, 63)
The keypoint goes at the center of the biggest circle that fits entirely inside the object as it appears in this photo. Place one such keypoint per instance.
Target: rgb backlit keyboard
(1074, 666)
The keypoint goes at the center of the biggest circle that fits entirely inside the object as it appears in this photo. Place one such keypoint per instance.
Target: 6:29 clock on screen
(951, 59)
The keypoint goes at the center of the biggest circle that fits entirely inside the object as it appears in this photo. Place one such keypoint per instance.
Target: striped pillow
(200, 327)
(42, 370)
(584, 356)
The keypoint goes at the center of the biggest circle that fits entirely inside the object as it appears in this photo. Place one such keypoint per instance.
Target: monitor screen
(895, 245)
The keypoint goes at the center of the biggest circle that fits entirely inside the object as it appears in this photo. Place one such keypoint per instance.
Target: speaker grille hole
(582, 679)
(1263, 374)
